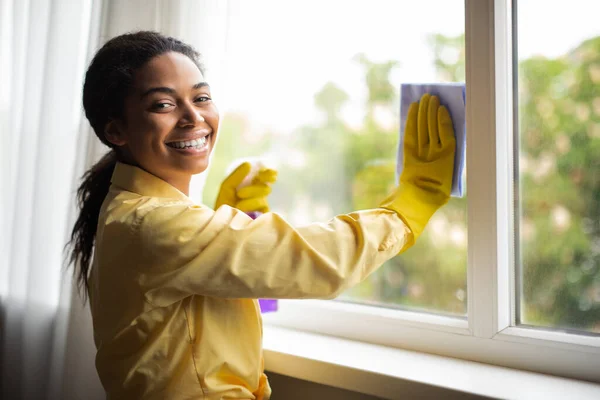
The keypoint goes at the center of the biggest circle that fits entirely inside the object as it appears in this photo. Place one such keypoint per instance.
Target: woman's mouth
(195, 146)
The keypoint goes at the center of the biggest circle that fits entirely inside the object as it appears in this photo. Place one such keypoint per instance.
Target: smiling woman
(169, 123)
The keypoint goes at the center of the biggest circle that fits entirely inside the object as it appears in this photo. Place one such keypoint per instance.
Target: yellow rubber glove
(249, 198)
(429, 151)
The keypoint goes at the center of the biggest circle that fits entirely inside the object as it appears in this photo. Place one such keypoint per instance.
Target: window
(508, 275)
(559, 166)
(320, 100)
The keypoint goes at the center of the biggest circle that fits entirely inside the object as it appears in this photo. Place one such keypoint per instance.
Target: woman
(173, 284)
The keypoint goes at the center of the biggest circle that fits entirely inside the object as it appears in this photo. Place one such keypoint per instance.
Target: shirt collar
(136, 180)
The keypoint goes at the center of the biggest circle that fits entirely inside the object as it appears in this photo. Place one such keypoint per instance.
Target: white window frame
(489, 333)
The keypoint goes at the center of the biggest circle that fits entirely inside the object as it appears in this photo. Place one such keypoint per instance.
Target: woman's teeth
(190, 144)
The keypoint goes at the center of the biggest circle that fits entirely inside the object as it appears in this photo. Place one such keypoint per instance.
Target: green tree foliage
(559, 115)
(449, 57)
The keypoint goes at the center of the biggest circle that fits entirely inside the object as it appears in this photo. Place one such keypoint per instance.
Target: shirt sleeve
(189, 249)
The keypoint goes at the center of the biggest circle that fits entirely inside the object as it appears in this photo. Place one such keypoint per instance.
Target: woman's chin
(190, 165)
(199, 167)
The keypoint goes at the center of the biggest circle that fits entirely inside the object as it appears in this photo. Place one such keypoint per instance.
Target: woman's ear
(114, 133)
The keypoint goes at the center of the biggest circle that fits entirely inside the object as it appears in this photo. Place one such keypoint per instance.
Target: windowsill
(391, 373)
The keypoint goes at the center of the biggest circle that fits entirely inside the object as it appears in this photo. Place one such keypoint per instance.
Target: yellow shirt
(174, 284)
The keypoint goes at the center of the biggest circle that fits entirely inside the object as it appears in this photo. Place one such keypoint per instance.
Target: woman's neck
(180, 183)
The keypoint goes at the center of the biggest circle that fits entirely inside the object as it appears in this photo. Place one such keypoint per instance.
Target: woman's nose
(191, 116)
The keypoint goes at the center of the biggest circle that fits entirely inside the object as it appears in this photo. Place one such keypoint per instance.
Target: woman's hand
(429, 148)
(249, 198)
(429, 151)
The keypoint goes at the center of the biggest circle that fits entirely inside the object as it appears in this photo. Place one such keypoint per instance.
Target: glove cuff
(415, 206)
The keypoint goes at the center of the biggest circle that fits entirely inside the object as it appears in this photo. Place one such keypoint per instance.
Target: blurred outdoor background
(321, 103)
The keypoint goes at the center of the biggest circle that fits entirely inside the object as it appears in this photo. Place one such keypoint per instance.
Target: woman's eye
(202, 99)
(162, 106)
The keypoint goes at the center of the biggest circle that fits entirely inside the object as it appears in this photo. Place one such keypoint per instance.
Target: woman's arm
(189, 250)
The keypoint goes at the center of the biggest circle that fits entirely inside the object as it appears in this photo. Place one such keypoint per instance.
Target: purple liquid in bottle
(254, 214)
(267, 305)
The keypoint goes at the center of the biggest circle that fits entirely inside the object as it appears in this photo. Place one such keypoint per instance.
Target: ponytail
(90, 196)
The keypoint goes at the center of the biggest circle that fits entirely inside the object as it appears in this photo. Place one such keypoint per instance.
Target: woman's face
(170, 122)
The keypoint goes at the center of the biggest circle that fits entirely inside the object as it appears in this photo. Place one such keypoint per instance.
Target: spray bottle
(256, 164)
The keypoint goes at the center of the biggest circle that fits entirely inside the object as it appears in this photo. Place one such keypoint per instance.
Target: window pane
(559, 164)
(313, 87)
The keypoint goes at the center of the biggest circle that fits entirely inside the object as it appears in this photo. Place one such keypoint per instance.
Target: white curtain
(46, 343)
(44, 49)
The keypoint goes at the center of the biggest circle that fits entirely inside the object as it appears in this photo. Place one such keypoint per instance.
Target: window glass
(559, 164)
(312, 87)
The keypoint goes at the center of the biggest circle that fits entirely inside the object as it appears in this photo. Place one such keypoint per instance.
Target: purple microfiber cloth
(451, 95)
